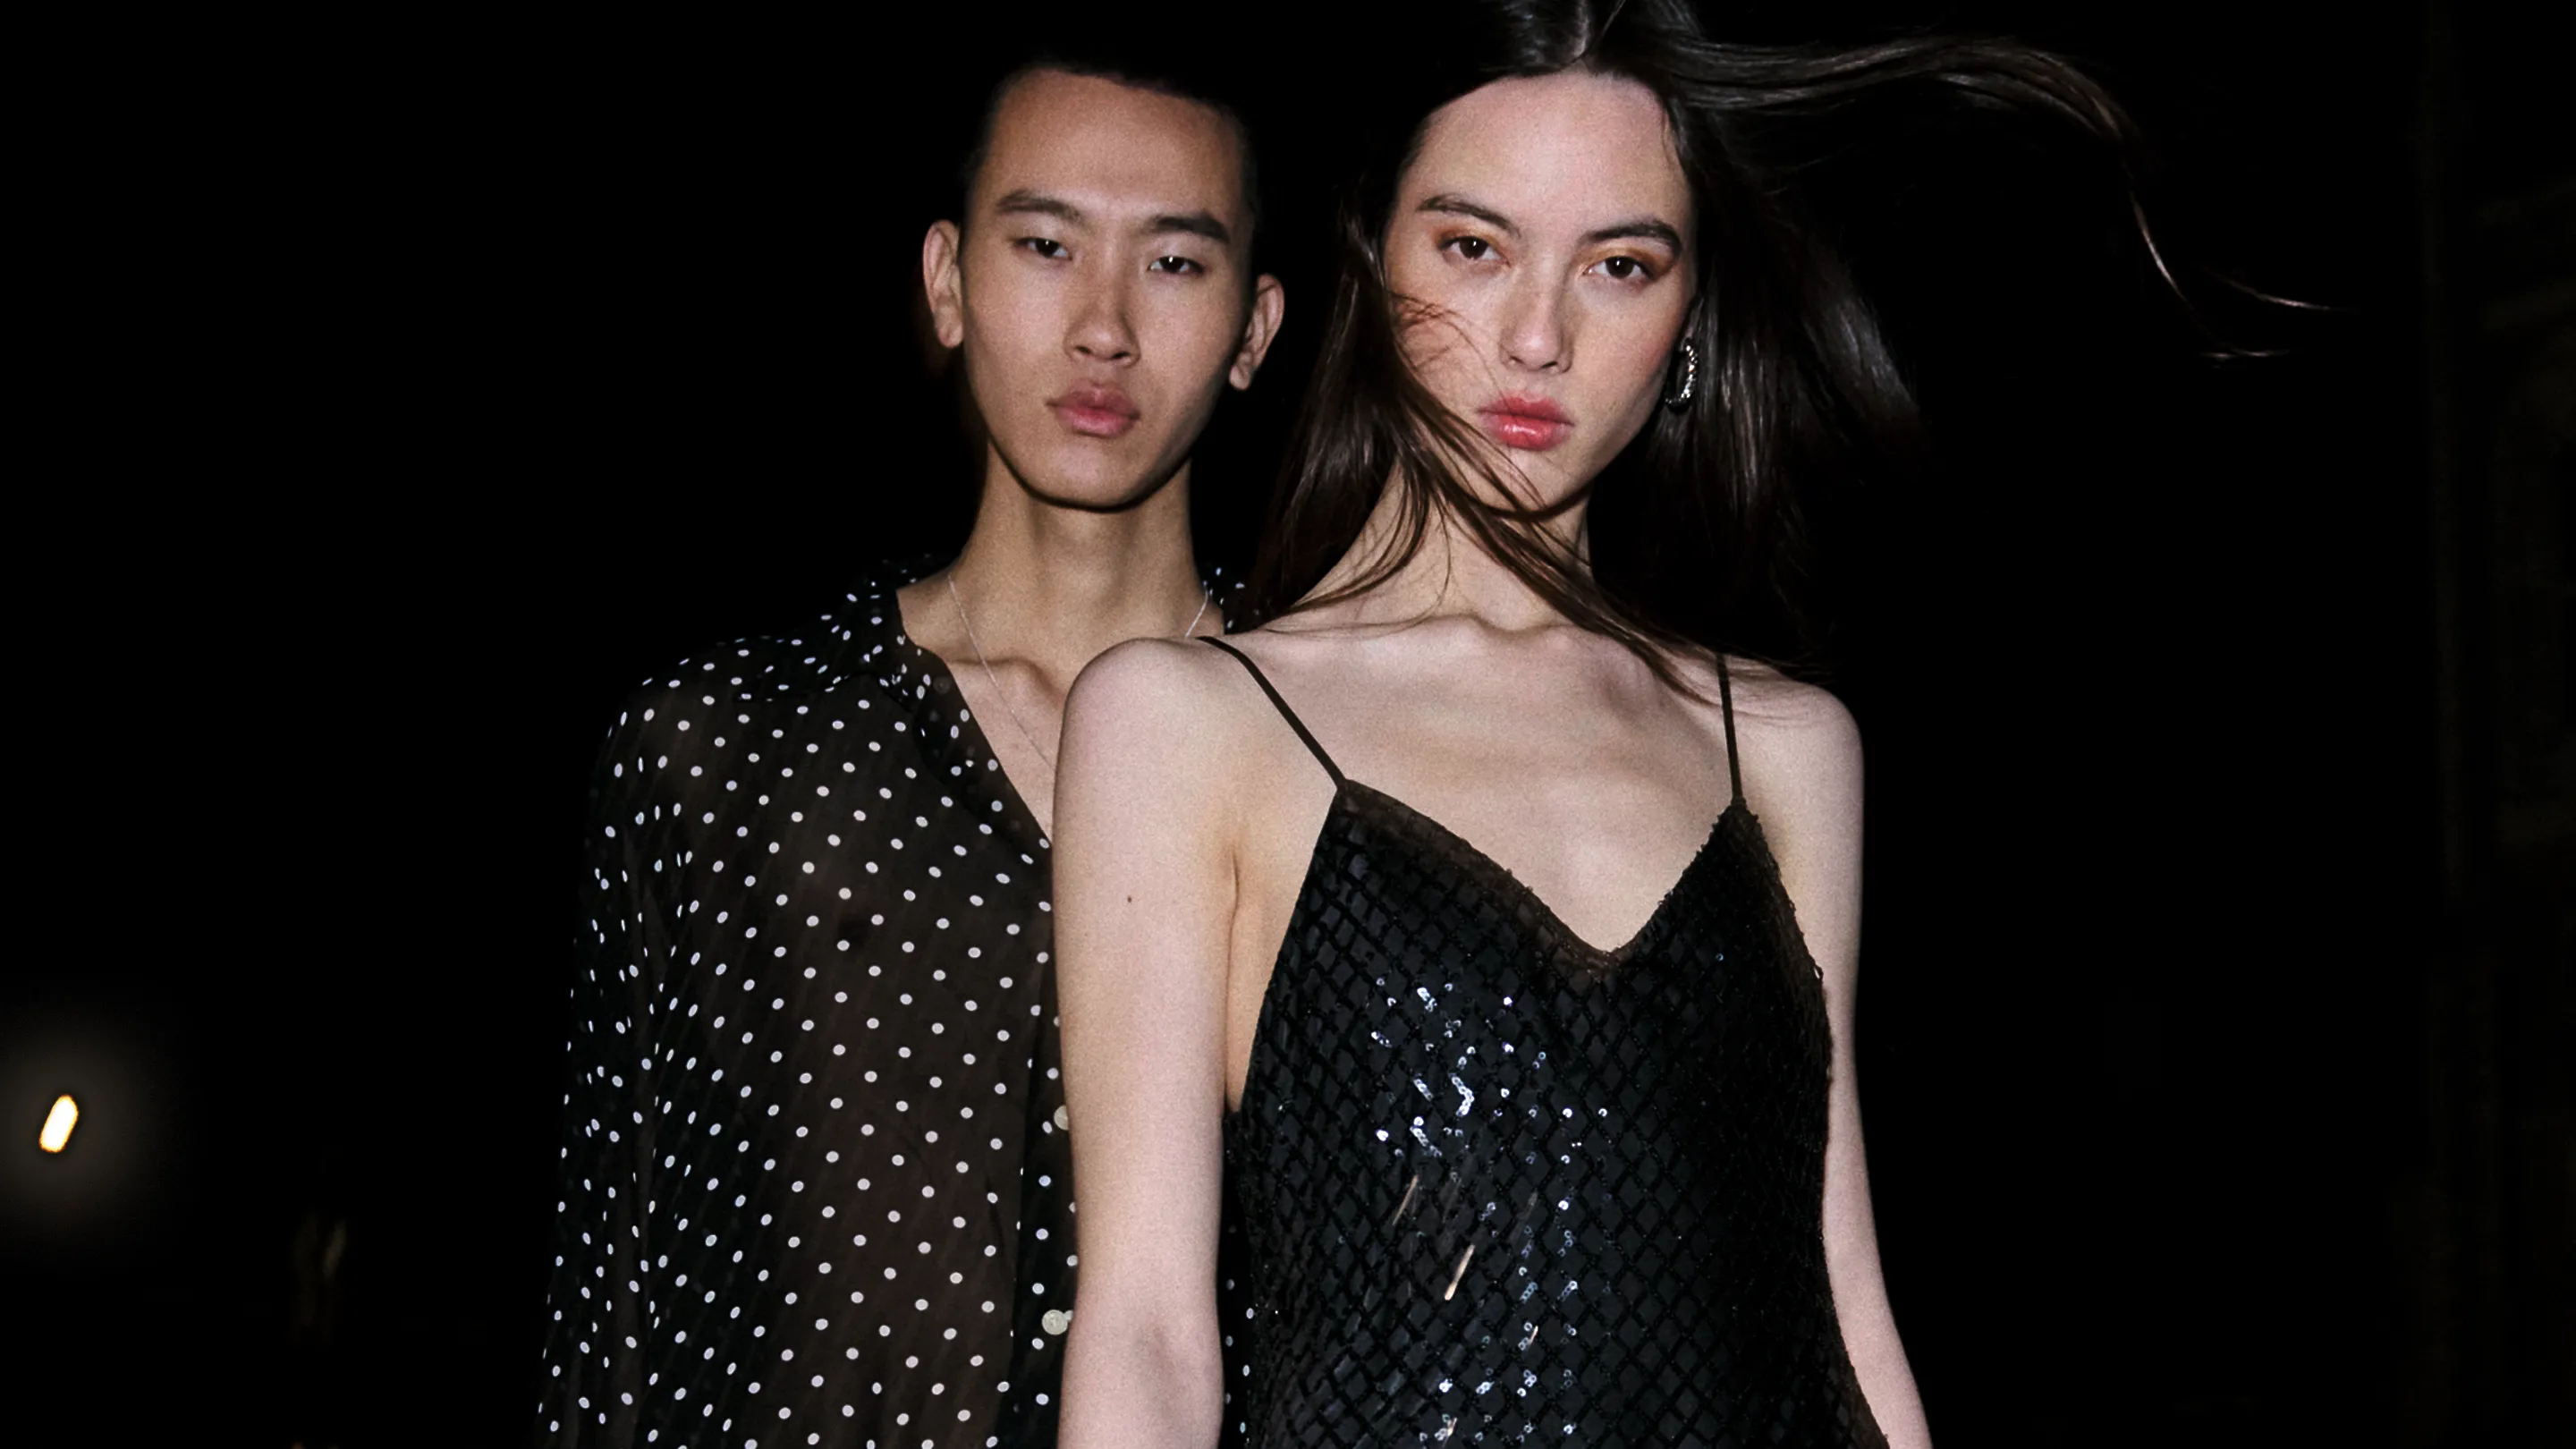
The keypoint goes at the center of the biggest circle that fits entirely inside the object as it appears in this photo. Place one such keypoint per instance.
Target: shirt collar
(871, 642)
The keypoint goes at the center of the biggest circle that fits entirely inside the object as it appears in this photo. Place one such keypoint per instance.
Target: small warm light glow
(58, 1124)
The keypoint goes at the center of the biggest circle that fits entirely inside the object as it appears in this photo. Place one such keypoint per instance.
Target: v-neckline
(1597, 960)
(1506, 889)
(940, 680)
(933, 666)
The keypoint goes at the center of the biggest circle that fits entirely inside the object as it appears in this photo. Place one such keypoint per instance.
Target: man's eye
(1046, 247)
(1178, 266)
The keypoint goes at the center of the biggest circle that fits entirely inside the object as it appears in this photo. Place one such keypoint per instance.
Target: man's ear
(1269, 304)
(941, 280)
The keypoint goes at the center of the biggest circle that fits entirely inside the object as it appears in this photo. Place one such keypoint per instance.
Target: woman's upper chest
(1592, 793)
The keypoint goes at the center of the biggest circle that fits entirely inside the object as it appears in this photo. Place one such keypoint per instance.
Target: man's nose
(1100, 331)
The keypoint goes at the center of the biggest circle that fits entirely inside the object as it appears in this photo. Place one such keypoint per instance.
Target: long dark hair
(1696, 532)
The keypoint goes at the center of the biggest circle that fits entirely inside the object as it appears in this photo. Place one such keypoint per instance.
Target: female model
(1479, 912)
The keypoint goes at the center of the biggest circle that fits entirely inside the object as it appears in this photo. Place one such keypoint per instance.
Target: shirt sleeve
(602, 1293)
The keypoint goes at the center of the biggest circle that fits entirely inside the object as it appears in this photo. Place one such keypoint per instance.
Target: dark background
(392, 399)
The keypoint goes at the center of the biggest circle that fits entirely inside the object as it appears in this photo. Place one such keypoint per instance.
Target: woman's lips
(1095, 412)
(1531, 424)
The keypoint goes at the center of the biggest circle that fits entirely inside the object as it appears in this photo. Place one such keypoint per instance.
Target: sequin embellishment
(1503, 1187)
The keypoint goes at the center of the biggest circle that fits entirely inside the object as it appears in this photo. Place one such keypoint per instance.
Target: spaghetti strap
(1285, 712)
(1726, 706)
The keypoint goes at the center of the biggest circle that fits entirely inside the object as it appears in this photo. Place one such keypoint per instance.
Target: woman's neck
(1449, 575)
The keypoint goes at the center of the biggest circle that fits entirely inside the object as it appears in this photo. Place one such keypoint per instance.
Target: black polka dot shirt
(815, 1177)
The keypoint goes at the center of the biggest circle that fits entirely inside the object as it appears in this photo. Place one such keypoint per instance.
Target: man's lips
(1096, 412)
(1532, 424)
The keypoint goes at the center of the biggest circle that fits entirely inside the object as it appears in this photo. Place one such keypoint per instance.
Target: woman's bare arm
(1144, 899)
(1803, 767)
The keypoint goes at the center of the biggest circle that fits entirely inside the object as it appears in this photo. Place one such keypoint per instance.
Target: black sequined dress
(1502, 1187)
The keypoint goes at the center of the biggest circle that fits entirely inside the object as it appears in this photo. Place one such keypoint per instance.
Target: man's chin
(1087, 485)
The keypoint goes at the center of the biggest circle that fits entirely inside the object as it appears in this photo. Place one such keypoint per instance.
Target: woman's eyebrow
(1644, 228)
(1460, 206)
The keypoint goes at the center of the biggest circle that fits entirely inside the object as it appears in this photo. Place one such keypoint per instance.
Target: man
(815, 1184)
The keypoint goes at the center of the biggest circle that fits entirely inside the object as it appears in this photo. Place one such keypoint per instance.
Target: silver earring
(1685, 362)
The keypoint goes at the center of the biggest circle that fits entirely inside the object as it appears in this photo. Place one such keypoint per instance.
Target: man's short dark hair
(1162, 75)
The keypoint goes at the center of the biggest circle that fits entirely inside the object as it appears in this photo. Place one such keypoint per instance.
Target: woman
(1494, 925)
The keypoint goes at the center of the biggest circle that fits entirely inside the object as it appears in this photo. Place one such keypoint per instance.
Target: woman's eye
(1177, 266)
(1470, 248)
(1623, 269)
(1046, 247)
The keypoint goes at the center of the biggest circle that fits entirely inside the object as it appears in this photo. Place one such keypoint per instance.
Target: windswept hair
(1696, 534)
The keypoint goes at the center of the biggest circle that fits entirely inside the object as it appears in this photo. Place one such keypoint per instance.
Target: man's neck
(1052, 586)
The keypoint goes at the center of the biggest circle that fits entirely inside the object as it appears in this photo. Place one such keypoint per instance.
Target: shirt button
(1057, 1320)
(1063, 1123)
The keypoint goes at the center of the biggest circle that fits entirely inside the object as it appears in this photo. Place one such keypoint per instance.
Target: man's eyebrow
(1461, 206)
(1036, 203)
(1194, 223)
(1645, 228)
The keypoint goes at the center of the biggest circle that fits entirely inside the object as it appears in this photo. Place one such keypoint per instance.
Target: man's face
(1100, 289)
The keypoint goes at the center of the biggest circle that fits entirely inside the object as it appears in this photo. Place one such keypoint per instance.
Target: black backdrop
(404, 397)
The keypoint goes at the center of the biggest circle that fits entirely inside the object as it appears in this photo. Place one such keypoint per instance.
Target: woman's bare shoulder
(1143, 680)
(1791, 733)
(1769, 700)
(1179, 700)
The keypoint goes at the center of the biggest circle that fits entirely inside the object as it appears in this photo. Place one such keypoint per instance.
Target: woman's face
(1541, 255)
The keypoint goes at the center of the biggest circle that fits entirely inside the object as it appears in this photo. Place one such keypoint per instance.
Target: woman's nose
(1533, 335)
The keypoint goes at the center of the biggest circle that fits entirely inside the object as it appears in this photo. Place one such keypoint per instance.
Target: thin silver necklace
(1045, 755)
